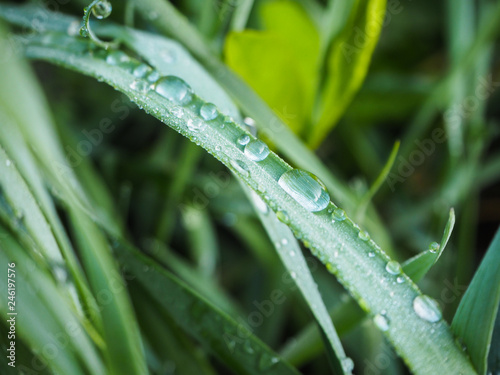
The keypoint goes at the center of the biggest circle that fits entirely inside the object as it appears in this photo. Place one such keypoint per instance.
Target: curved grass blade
(424, 345)
(421, 263)
(46, 322)
(227, 339)
(291, 255)
(474, 320)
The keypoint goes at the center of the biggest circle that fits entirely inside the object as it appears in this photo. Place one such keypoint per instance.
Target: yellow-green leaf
(281, 62)
(348, 61)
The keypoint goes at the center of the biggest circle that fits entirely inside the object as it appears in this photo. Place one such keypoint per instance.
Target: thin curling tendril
(100, 9)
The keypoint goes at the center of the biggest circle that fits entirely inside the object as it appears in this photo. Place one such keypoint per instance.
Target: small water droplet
(8, 163)
(196, 125)
(338, 214)
(102, 9)
(267, 361)
(400, 279)
(139, 85)
(247, 347)
(393, 267)
(174, 89)
(434, 247)
(363, 236)
(284, 241)
(293, 274)
(153, 76)
(347, 364)
(381, 322)
(306, 189)
(241, 167)
(427, 308)
(141, 70)
(283, 217)
(371, 254)
(117, 57)
(243, 139)
(256, 150)
(208, 111)
(292, 253)
(74, 28)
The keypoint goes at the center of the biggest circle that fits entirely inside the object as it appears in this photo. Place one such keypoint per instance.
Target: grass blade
(474, 320)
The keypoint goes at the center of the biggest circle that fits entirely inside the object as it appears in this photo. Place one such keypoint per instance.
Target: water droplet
(284, 241)
(141, 70)
(381, 322)
(8, 163)
(196, 125)
(434, 247)
(60, 272)
(259, 203)
(371, 254)
(256, 150)
(208, 111)
(241, 167)
(267, 361)
(247, 347)
(306, 189)
(338, 214)
(174, 89)
(117, 57)
(293, 274)
(347, 364)
(427, 308)
(243, 139)
(283, 217)
(153, 76)
(139, 85)
(292, 253)
(102, 9)
(400, 279)
(393, 267)
(363, 236)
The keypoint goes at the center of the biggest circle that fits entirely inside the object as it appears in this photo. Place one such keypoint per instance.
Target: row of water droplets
(305, 188)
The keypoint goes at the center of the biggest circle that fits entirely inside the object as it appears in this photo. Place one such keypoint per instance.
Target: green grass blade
(421, 263)
(124, 351)
(474, 320)
(291, 255)
(227, 339)
(46, 321)
(424, 345)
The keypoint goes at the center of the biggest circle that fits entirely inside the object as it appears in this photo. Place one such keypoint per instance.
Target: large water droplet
(306, 189)
(208, 111)
(266, 361)
(256, 150)
(174, 89)
(393, 267)
(427, 308)
(196, 125)
(381, 322)
(243, 139)
(102, 9)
